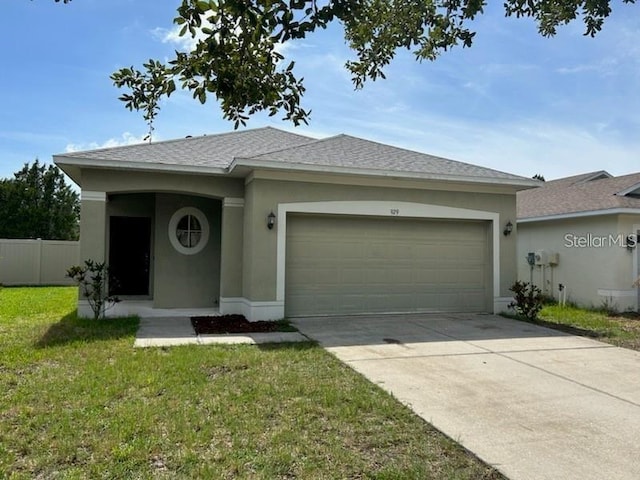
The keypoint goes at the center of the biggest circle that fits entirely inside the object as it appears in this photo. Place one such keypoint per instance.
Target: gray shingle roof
(581, 193)
(272, 148)
(215, 151)
(344, 151)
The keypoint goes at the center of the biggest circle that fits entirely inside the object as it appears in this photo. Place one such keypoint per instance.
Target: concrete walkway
(533, 402)
(171, 331)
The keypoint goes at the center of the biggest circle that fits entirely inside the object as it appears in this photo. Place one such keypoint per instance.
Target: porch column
(93, 236)
(231, 241)
(93, 226)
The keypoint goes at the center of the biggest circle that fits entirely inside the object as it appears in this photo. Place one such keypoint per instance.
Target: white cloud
(172, 36)
(530, 146)
(126, 139)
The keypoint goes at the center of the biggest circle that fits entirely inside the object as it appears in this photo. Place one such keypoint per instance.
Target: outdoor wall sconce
(271, 220)
(508, 228)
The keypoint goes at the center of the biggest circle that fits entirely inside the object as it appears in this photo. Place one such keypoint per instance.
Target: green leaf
(202, 6)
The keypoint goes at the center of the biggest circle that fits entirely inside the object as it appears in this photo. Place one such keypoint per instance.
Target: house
(582, 233)
(269, 223)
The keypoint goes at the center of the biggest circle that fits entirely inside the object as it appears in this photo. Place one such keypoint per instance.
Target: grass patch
(622, 330)
(77, 401)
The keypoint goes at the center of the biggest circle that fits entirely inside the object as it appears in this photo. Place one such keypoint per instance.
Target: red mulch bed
(231, 324)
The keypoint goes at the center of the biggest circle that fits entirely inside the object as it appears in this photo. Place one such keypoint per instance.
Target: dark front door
(129, 255)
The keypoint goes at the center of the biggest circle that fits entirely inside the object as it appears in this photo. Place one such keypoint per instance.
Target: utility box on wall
(541, 257)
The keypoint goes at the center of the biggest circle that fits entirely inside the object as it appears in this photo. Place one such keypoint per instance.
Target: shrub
(92, 279)
(528, 300)
(608, 307)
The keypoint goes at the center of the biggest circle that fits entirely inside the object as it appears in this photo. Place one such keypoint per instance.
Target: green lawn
(77, 401)
(618, 329)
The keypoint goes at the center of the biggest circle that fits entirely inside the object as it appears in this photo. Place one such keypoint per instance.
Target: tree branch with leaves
(237, 59)
(147, 90)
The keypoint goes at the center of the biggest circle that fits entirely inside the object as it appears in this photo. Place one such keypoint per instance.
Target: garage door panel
(337, 265)
(313, 276)
(350, 276)
(443, 277)
(472, 277)
(350, 303)
(384, 277)
(469, 299)
(397, 278)
(350, 250)
(444, 299)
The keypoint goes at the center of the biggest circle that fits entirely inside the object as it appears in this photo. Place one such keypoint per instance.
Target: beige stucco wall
(231, 247)
(599, 264)
(114, 181)
(242, 250)
(186, 280)
(264, 195)
(93, 230)
(176, 280)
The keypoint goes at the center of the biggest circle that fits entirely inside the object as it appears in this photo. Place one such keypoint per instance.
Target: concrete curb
(176, 331)
(252, 338)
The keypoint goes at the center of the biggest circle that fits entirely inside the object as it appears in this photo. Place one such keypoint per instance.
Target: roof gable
(632, 191)
(576, 179)
(352, 155)
(601, 175)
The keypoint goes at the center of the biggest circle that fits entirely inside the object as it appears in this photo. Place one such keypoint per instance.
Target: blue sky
(515, 101)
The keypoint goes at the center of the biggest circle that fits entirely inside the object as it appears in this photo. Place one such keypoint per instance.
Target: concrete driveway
(533, 402)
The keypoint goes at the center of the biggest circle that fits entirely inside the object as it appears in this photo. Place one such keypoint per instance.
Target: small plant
(92, 280)
(608, 307)
(528, 299)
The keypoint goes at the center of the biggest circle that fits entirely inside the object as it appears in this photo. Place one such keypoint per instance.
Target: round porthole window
(188, 230)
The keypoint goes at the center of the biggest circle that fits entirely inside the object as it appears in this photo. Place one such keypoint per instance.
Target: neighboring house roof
(277, 149)
(593, 193)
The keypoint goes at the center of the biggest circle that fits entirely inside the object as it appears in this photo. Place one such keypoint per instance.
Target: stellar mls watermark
(589, 240)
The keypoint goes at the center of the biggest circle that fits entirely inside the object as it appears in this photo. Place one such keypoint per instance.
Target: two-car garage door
(348, 265)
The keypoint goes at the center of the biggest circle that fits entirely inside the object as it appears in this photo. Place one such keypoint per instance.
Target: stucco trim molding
(93, 196)
(521, 182)
(502, 304)
(383, 209)
(233, 202)
(84, 309)
(613, 293)
(173, 226)
(139, 166)
(253, 311)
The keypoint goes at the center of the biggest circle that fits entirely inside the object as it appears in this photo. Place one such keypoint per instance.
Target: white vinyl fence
(37, 262)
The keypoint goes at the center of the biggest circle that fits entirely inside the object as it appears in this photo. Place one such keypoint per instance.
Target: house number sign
(395, 211)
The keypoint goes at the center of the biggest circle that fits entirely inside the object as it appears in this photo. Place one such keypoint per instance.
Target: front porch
(170, 254)
(146, 309)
